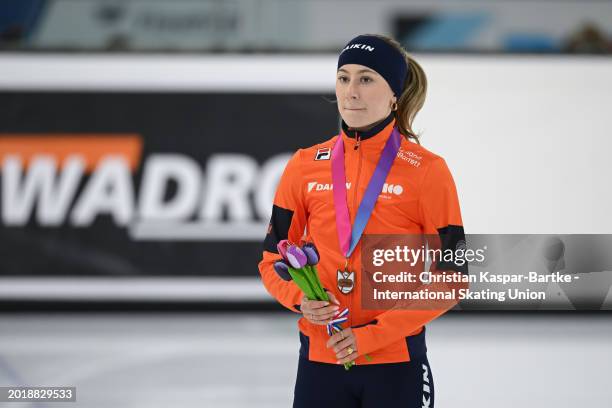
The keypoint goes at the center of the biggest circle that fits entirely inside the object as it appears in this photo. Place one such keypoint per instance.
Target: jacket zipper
(356, 189)
(358, 172)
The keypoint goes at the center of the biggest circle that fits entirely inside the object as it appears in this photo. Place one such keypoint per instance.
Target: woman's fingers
(331, 309)
(325, 317)
(319, 311)
(319, 318)
(332, 298)
(341, 348)
(344, 346)
(351, 357)
(317, 304)
(316, 307)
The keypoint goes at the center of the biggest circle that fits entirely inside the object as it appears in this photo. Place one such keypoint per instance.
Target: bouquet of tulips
(299, 264)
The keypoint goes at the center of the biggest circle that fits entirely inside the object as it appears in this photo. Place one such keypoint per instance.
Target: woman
(379, 90)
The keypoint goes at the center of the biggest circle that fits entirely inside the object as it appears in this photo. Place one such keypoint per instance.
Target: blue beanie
(376, 53)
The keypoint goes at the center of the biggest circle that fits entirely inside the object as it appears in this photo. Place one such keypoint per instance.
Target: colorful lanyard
(349, 237)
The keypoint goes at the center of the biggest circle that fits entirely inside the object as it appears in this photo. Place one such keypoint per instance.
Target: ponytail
(410, 102)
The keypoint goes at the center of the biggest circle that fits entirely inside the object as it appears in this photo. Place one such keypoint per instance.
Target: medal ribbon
(349, 237)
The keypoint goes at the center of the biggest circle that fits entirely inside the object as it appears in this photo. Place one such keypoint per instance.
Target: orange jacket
(419, 198)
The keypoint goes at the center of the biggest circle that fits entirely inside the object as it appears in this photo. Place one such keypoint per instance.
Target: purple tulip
(296, 257)
(282, 270)
(282, 248)
(311, 252)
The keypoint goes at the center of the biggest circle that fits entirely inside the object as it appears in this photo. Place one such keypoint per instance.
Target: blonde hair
(413, 95)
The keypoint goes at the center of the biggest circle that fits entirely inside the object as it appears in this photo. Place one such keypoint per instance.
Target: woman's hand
(319, 311)
(345, 346)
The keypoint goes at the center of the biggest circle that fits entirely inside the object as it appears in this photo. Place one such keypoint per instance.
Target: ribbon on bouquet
(335, 323)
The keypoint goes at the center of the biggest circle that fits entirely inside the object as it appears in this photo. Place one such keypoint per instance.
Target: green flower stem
(307, 275)
(303, 283)
(311, 273)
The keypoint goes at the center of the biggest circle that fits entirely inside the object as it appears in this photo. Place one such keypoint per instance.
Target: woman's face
(364, 97)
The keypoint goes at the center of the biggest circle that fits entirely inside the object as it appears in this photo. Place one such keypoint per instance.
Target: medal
(345, 280)
(349, 236)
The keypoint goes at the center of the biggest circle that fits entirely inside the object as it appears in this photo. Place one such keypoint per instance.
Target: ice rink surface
(228, 360)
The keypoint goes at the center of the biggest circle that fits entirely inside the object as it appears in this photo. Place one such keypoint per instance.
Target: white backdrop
(528, 140)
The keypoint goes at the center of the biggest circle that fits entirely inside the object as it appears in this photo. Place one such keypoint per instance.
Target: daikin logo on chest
(391, 189)
(313, 185)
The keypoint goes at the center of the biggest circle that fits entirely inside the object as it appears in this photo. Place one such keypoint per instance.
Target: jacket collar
(373, 137)
(365, 134)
